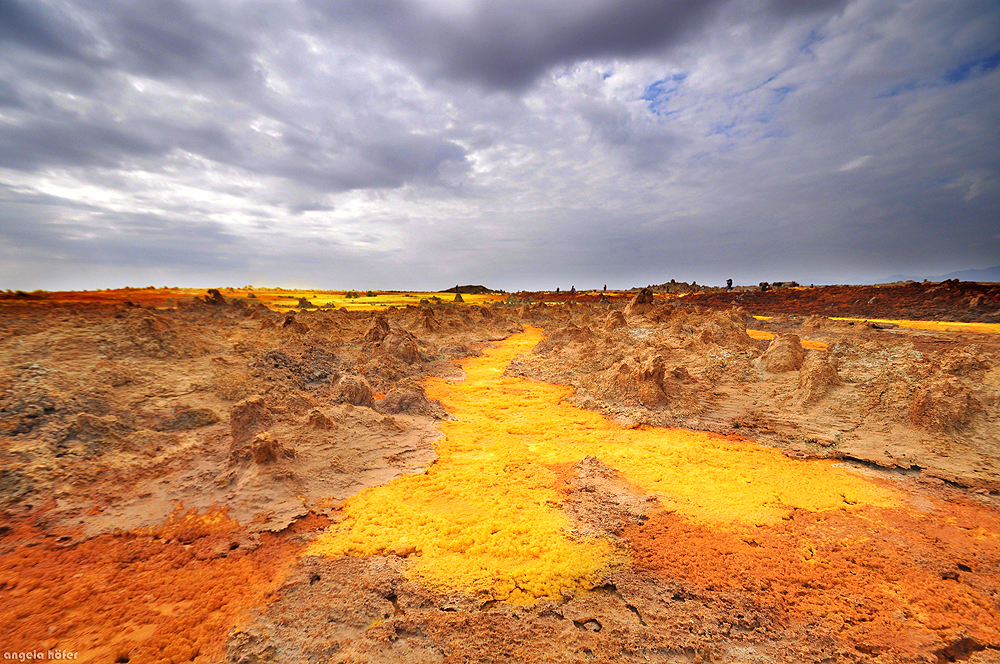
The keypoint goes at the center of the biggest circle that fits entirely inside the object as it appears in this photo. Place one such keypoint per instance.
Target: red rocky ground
(165, 456)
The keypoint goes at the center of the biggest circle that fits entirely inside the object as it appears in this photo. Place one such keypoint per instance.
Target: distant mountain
(990, 274)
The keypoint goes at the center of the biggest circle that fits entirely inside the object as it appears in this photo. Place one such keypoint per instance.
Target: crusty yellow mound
(486, 517)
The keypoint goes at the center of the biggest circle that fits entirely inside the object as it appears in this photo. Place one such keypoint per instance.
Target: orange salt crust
(895, 581)
(142, 597)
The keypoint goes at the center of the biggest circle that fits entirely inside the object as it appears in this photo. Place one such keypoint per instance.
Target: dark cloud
(646, 145)
(350, 161)
(784, 8)
(156, 38)
(321, 162)
(63, 140)
(45, 143)
(506, 44)
(75, 109)
(206, 138)
(40, 27)
(309, 206)
(142, 239)
(168, 38)
(9, 97)
(382, 155)
(39, 226)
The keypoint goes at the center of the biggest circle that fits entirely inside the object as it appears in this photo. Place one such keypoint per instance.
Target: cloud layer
(524, 144)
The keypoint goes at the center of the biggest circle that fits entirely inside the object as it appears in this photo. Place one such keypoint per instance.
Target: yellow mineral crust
(486, 517)
(935, 325)
(805, 343)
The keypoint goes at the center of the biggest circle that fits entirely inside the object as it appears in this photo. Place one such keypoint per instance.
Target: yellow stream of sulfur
(486, 517)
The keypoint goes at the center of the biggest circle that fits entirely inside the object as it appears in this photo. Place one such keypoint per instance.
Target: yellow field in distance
(284, 299)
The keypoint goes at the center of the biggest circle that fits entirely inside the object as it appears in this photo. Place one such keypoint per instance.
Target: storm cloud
(524, 144)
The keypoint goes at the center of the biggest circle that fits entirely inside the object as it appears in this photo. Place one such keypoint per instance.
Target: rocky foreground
(162, 470)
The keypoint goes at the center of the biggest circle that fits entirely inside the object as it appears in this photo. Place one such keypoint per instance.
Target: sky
(519, 144)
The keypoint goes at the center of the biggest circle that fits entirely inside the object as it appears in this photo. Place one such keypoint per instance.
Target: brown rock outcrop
(214, 297)
(563, 336)
(942, 405)
(379, 329)
(640, 304)
(785, 353)
(409, 397)
(354, 390)
(320, 420)
(157, 335)
(185, 418)
(615, 321)
(816, 378)
(289, 323)
(636, 382)
(249, 417)
(401, 345)
(265, 449)
(427, 322)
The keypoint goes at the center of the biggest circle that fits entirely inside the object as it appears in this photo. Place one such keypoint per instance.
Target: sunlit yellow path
(486, 517)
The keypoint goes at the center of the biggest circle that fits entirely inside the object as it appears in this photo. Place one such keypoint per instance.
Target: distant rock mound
(471, 290)
(214, 297)
(157, 335)
(641, 303)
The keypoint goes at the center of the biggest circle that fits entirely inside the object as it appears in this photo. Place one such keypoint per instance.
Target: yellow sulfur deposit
(357, 300)
(486, 517)
(936, 325)
(805, 343)
(931, 325)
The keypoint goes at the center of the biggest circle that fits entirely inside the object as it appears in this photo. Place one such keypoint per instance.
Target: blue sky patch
(811, 40)
(658, 93)
(967, 69)
(906, 86)
(782, 92)
(722, 129)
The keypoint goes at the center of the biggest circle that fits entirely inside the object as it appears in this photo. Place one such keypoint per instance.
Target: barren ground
(583, 477)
